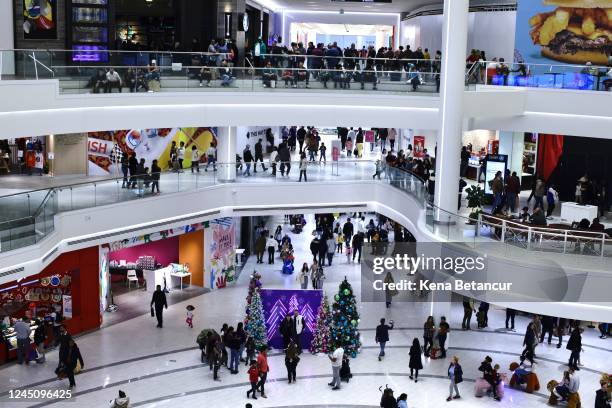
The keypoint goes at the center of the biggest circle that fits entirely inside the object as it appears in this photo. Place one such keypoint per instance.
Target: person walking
(180, 154)
(429, 329)
(262, 366)
(415, 364)
(72, 358)
(242, 336)
(357, 245)
(442, 335)
(155, 176)
(22, 331)
(125, 169)
(303, 167)
(468, 309)
(259, 156)
(159, 302)
(348, 230)
(247, 156)
(574, 344)
(331, 248)
(274, 157)
(455, 373)
(253, 379)
(382, 336)
(291, 360)
(301, 136)
(39, 340)
(271, 244)
(303, 276)
(336, 363)
(529, 341)
(548, 324)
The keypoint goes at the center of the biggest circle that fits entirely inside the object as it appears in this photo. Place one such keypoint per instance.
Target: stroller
(345, 370)
(288, 266)
(202, 341)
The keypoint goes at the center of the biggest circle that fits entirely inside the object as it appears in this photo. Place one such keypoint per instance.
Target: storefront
(66, 287)
(24, 155)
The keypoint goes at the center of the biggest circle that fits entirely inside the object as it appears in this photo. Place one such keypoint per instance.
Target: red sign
(419, 146)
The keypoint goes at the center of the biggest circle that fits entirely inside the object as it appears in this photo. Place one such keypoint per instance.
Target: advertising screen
(494, 163)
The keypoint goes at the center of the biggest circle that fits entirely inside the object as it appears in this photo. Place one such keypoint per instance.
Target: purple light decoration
(279, 302)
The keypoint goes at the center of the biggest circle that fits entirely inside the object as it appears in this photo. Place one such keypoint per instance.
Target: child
(349, 147)
(250, 349)
(378, 169)
(339, 242)
(253, 379)
(323, 149)
(189, 319)
(349, 252)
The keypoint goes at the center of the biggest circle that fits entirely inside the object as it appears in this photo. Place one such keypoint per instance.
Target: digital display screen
(494, 163)
(89, 53)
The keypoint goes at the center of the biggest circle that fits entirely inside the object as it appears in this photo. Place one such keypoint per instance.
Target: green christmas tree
(345, 320)
(254, 322)
(321, 337)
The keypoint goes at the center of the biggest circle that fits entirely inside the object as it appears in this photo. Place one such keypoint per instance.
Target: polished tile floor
(161, 367)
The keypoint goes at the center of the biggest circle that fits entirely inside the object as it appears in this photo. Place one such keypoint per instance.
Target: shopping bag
(152, 312)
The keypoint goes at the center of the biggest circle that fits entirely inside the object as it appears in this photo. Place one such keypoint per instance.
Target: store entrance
(174, 263)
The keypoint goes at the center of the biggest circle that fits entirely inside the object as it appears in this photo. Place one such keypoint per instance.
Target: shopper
(122, 401)
(442, 335)
(382, 336)
(211, 157)
(253, 379)
(72, 358)
(284, 158)
(155, 175)
(195, 160)
(259, 156)
(303, 167)
(574, 344)
(180, 155)
(302, 277)
(348, 230)
(241, 334)
(468, 309)
(233, 342)
(322, 150)
(455, 373)
(510, 314)
(429, 329)
(40, 336)
(331, 248)
(336, 363)
(273, 159)
(286, 330)
(250, 349)
(291, 360)
(402, 401)
(415, 364)
(388, 400)
(247, 156)
(159, 302)
(529, 341)
(125, 170)
(357, 245)
(260, 247)
(602, 397)
(297, 325)
(262, 366)
(22, 330)
(271, 244)
(489, 375)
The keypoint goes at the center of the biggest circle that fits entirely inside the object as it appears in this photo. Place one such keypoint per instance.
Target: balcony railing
(32, 213)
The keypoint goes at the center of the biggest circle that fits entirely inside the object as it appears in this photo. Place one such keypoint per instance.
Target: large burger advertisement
(564, 31)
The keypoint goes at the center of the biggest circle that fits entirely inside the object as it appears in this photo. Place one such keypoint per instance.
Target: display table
(574, 212)
(180, 276)
(158, 277)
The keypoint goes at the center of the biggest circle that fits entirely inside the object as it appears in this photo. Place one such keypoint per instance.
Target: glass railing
(513, 235)
(579, 77)
(28, 227)
(153, 72)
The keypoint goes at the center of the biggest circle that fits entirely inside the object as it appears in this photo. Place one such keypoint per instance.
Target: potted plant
(475, 199)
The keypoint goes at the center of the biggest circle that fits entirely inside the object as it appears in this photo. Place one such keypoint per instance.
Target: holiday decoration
(321, 338)
(254, 322)
(345, 319)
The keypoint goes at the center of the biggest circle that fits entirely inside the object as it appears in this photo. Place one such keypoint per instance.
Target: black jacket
(155, 172)
(301, 134)
(258, 149)
(39, 334)
(159, 299)
(73, 356)
(575, 341)
(415, 358)
(247, 156)
(458, 373)
(283, 153)
(133, 165)
(382, 332)
(601, 399)
(347, 229)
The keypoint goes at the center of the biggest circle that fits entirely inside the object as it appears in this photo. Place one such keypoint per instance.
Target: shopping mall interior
(292, 203)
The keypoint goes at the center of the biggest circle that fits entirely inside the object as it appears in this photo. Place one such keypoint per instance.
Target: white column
(7, 38)
(226, 153)
(454, 45)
